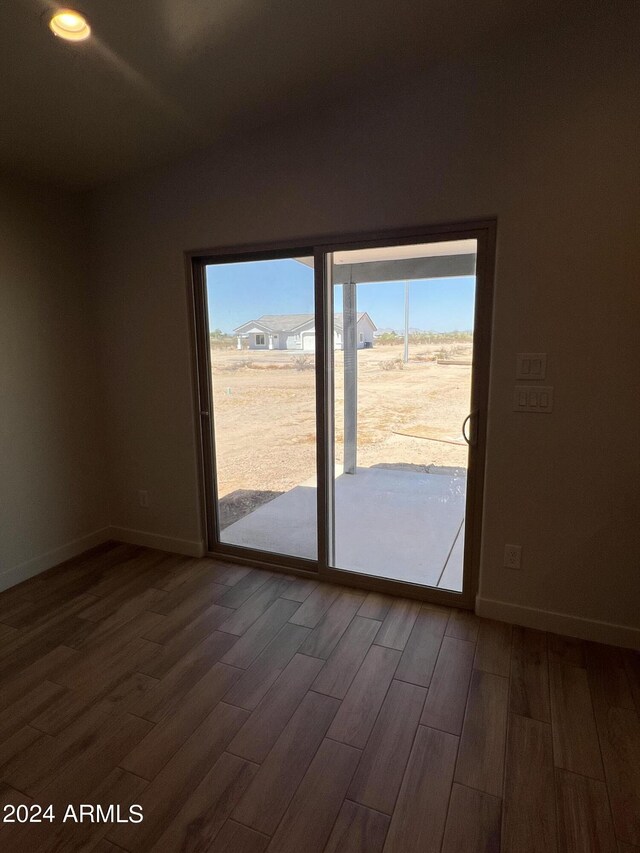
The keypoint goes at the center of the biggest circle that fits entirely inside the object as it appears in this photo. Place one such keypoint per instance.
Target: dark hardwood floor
(247, 711)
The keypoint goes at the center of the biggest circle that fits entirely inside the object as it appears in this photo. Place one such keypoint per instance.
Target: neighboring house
(297, 332)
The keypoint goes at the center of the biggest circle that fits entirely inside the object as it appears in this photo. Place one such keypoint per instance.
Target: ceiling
(159, 79)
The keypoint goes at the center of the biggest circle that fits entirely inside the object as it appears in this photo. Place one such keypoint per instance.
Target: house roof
(283, 322)
(337, 319)
(290, 322)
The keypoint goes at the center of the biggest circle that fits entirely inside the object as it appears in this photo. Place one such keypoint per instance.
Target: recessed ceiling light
(69, 25)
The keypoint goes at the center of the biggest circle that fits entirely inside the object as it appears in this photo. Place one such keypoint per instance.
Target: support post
(350, 347)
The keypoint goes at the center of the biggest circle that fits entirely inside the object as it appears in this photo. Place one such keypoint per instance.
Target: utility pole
(406, 322)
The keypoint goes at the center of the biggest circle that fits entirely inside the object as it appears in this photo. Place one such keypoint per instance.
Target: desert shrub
(392, 364)
(440, 337)
(388, 338)
(421, 338)
(218, 340)
(453, 353)
(303, 362)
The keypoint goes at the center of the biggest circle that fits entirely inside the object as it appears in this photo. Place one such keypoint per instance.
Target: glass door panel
(402, 337)
(262, 355)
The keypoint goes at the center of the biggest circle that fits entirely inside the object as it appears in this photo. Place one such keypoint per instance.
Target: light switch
(533, 398)
(531, 365)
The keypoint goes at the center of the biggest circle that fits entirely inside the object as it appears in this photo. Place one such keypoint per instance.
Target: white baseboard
(12, 576)
(188, 547)
(24, 571)
(559, 623)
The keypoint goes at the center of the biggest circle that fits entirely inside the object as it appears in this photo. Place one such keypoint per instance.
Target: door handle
(471, 438)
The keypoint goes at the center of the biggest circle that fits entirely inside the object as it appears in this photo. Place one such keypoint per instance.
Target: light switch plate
(531, 365)
(533, 398)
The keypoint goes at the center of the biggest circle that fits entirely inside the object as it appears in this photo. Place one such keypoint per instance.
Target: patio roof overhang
(403, 263)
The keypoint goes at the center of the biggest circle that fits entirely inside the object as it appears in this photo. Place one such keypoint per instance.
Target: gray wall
(52, 494)
(546, 141)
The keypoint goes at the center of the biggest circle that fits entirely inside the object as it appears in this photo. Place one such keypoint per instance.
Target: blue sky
(238, 293)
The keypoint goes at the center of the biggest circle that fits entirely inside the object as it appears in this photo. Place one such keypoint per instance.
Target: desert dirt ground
(264, 410)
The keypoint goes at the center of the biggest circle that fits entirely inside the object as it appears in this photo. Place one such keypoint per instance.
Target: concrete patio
(390, 522)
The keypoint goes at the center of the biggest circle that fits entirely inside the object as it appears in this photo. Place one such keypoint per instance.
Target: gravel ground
(264, 405)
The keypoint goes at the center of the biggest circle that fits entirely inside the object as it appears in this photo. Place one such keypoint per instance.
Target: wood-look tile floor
(246, 711)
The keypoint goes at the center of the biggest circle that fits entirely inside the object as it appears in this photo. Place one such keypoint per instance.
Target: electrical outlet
(143, 498)
(531, 365)
(512, 556)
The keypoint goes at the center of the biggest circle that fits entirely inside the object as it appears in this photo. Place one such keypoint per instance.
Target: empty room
(319, 427)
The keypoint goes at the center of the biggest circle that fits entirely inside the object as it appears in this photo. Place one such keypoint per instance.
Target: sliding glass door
(262, 357)
(403, 328)
(342, 401)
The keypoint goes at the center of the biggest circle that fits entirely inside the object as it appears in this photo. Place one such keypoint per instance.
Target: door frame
(484, 231)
